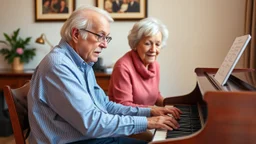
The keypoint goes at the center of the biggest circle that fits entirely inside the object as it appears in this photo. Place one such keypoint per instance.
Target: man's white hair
(81, 19)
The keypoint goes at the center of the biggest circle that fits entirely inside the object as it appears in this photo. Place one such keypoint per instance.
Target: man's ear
(75, 34)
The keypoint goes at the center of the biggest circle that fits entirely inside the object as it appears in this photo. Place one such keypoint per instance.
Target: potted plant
(16, 52)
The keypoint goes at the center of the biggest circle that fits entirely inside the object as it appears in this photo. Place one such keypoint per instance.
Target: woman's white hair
(147, 27)
(81, 19)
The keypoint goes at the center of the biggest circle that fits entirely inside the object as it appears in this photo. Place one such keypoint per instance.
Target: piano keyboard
(189, 123)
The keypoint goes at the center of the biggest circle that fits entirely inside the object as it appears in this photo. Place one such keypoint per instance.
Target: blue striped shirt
(65, 103)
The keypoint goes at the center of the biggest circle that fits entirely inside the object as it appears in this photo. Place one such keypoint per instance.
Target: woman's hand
(161, 111)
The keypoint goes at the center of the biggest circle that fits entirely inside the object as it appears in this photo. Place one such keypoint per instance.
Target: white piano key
(159, 135)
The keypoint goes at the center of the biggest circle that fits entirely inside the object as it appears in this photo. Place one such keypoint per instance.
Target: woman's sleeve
(160, 99)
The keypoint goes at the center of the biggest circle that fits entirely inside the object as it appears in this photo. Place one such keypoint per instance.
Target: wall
(201, 33)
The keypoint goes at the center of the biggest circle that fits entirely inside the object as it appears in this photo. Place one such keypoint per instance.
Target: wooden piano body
(231, 109)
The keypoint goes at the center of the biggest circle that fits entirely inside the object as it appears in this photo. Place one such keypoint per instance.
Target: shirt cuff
(144, 112)
(141, 124)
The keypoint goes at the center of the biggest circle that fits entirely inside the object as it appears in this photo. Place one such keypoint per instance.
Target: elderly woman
(135, 77)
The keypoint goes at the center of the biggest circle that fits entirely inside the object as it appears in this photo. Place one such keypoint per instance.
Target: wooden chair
(16, 100)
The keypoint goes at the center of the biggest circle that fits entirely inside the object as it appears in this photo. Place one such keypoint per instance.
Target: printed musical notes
(231, 59)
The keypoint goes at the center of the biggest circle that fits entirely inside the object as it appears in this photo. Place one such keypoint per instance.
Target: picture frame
(124, 10)
(53, 10)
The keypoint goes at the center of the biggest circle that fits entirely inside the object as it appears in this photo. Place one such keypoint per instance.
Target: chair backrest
(16, 100)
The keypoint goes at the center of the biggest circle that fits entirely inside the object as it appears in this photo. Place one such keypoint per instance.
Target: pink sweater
(132, 84)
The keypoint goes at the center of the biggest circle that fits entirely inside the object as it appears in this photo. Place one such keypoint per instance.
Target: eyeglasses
(100, 38)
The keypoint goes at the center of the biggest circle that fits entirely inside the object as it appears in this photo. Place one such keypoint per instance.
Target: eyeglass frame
(107, 38)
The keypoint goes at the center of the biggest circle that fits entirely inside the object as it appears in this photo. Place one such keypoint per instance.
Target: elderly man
(66, 105)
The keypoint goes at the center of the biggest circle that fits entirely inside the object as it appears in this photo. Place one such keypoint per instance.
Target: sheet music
(231, 59)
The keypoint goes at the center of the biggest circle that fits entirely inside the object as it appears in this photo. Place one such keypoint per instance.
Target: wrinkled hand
(162, 122)
(161, 111)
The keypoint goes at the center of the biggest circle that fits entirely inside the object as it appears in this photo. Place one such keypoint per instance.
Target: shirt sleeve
(116, 108)
(122, 87)
(70, 99)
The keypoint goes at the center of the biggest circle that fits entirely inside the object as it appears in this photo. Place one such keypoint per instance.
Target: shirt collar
(77, 59)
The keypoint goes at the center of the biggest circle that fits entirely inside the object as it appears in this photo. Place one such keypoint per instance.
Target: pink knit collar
(141, 69)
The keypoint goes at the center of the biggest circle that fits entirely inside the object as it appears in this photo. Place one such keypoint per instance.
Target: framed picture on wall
(124, 9)
(53, 10)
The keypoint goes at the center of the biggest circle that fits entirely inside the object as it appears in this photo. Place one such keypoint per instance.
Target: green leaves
(13, 42)
(27, 55)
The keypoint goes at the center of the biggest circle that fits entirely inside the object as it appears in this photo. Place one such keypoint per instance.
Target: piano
(213, 113)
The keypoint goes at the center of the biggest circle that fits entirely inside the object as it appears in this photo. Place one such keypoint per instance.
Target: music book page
(231, 59)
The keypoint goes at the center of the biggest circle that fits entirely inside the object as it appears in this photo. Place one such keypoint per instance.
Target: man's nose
(104, 44)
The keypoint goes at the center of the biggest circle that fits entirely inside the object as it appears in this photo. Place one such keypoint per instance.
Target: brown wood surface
(201, 71)
(231, 120)
(192, 98)
(103, 80)
(11, 97)
(16, 79)
(231, 114)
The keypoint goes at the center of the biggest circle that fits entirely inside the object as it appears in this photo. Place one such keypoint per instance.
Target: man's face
(90, 48)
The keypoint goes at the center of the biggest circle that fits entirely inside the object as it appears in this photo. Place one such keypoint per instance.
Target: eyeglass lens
(100, 37)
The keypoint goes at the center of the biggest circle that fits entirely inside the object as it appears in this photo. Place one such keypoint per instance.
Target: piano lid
(239, 80)
(246, 81)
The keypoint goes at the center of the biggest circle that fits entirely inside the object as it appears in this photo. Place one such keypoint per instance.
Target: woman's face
(148, 48)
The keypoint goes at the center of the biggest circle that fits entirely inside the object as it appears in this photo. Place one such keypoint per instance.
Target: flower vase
(17, 65)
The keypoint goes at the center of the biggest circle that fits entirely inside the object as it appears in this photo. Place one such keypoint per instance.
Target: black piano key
(182, 130)
(190, 126)
(189, 121)
(179, 133)
(194, 110)
(174, 135)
